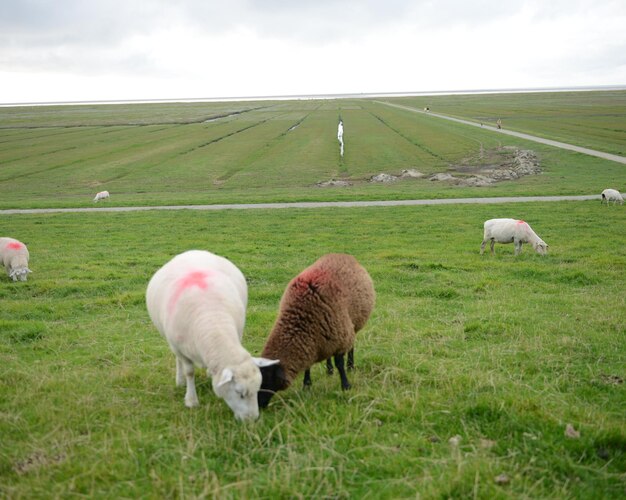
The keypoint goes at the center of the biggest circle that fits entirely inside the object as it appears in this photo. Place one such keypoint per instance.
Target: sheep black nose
(264, 397)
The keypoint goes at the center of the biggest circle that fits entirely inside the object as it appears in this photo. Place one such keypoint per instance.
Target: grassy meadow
(501, 351)
(205, 153)
(467, 375)
(593, 119)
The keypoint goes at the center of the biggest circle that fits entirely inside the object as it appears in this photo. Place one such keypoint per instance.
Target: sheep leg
(342, 372)
(492, 244)
(307, 378)
(518, 247)
(351, 359)
(482, 247)
(180, 374)
(329, 366)
(191, 397)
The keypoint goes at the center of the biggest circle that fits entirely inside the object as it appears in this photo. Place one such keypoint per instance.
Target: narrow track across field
(541, 140)
(308, 204)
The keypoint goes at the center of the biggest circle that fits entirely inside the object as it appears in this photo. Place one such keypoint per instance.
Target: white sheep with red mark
(14, 257)
(511, 231)
(198, 302)
(611, 195)
(102, 195)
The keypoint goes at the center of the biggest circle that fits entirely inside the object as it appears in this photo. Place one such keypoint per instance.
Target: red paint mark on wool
(309, 279)
(521, 222)
(313, 274)
(193, 279)
(15, 245)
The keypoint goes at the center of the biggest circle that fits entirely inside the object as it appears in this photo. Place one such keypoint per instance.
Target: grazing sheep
(511, 231)
(320, 313)
(198, 302)
(102, 195)
(14, 257)
(613, 195)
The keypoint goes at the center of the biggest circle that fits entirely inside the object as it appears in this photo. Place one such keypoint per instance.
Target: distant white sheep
(198, 302)
(613, 195)
(14, 257)
(511, 231)
(102, 195)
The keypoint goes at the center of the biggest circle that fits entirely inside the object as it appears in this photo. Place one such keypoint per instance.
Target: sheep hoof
(191, 403)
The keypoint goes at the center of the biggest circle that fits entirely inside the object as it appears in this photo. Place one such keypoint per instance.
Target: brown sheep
(320, 313)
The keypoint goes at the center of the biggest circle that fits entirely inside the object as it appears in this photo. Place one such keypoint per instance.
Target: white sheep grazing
(14, 257)
(511, 231)
(198, 302)
(102, 195)
(613, 195)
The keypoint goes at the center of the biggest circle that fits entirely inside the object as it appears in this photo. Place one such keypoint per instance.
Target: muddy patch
(333, 183)
(501, 164)
(37, 460)
(483, 169)
(384, 178)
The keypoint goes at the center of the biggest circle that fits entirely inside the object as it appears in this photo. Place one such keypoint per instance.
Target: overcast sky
(74, 50)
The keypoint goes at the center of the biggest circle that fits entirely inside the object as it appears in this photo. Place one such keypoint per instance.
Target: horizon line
(356, 95)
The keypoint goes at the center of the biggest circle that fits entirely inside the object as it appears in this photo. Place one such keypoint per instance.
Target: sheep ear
(227, 376)
(263, 362)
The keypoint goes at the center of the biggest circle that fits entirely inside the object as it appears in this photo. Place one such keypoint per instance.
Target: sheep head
(274, 380)
(239, 385)
(541, 247)
(19, 274)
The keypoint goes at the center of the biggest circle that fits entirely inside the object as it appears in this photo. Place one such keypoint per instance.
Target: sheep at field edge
(198, 302)
(511, 231)
(14, 257)
(319, 315)
(102, 195)
(613, 195)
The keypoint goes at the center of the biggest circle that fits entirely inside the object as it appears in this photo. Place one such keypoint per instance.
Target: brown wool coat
(320, 313)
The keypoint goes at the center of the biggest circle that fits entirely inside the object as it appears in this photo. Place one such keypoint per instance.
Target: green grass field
(203, 153)
(496, 353)
(503, 352)
(595, 120)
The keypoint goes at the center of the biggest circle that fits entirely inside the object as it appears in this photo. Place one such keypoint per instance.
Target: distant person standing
(499, 123)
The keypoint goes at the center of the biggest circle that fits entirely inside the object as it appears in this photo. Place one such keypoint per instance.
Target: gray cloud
(101, 22)
(33, 22)
(95, 37)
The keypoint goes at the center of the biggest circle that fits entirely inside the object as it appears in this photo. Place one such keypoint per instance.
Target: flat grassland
(153, 154)
(595, 120)
(467, 374)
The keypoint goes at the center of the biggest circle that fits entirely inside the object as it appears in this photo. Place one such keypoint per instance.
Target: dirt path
(312, 204)
(549, 142)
